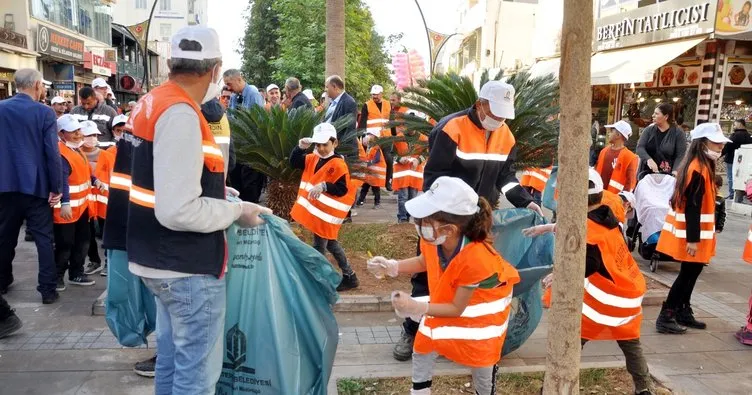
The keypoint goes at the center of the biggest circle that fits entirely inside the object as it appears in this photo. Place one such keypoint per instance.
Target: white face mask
(427, 234)
(90, 142)
(489, 123)
(212, 91)
(712, 154)
(73, 145)
(329, 155)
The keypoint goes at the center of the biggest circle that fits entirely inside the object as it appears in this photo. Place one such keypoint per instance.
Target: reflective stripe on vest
(80, 187)
(481, 156)
(506, 188)
(609, 299)
(120, 181)
(76, 202)
(142, 197)
(318, 213)
(606, 320)
(616, 185)
(407, 173)
(463, 333)
(326, 199)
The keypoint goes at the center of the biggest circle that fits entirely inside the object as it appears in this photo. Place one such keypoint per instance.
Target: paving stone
(47, 346)
(347, 329)
(382, 340)
(35, 340)
(367, 341)
(30, 346)
(10, 346)
(65, 346)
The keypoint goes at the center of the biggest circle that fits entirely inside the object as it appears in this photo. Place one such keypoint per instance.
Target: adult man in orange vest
(616, 164)
(477, 146)
(374, 117)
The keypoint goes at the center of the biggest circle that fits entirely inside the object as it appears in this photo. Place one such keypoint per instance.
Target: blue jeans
(190, 329)
(403, 195)
(730, 175)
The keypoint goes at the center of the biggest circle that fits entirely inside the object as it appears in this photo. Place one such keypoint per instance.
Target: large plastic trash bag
(130, 308)
(533, 258)
(549, 192)
(280, 331)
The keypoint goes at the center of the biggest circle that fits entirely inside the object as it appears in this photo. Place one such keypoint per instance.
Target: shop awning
(636, 64)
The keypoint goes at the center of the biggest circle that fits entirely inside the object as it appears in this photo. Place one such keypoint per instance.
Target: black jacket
(488, 178)
(672, 149)
(346, 106)
(738, 138)
(299, 100)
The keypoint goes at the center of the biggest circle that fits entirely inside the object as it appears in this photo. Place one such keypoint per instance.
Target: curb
(97, 308)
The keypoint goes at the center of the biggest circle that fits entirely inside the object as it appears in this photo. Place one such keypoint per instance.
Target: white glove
(414, 163)
(535, 231)
(305, 142)
(404, 160)
(100, 185)
(407, 307)
(232, 191)
(249, 217)
(535, 207)
(380, 266)
(547, 281)
(316, 191)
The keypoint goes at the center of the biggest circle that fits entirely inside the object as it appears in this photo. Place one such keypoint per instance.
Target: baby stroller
(653, 196)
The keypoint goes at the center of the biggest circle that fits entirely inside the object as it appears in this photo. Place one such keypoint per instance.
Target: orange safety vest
(536, 177)
(379, 119)
(79, 184)
(324, 216)
(612, 308)
(405, 176)
(472, 144)
(747, 255)
(620, 166)
(376, 174)
(476, 337)
(673, 238)
(614, 202)
(103, 170)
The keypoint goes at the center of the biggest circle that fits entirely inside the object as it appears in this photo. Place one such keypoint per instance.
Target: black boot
(10, 325)
(349, 281)
(666, 322)
(685, 316)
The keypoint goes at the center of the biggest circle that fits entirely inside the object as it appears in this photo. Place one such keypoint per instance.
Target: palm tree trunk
(281, 197)
(563, 359)
(335, 38)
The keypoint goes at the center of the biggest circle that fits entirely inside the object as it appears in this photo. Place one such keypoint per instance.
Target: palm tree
(335, 38)
(535, 125)
(264, 139)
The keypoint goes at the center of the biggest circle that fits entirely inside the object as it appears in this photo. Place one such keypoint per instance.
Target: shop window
(164, 5)
(639, 105)
(165, 31)
(90, 18)
(141, 4)
(469, 50)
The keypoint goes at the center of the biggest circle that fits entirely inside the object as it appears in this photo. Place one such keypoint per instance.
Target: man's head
(376, 93)
(292, 87)
(29, 81)
(334, 86)
(620, 132)
(273, 95)
(118, 125)
(69, 131)
(395, 100)
(58, 104)
(225, 96)
(740, 124)
(69, 104)
(101, 86)
(495, 104)
(131, 105)
(234, 80)
(262, 92)
(196, 62)
(87, 97)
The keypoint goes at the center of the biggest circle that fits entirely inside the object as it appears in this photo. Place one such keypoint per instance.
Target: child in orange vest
(616, 164)
(614, 285)
(470, 284)
(409, 162)
(744, 335)
(375, 171)
(324, 196)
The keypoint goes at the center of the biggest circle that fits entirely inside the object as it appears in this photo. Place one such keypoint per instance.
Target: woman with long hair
(662, 144)
(689, 232)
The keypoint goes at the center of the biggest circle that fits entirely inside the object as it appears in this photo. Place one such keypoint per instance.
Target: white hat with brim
(119, 119)
(623, 128)
(271, 87)
(323, 132)
(89, 128)
(500, 96)
(66, 123)
(711, 131)
(99, 83)
(57, 100)
(377, 89)
(449, 195)
(308, 94)
(597, 181)
(206, 37)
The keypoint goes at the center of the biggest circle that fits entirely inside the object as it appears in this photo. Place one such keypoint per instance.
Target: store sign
(733, 18)
(673, 76)
(659, 22)
(12, 38)
(6, 76)
(64, 86)
(97, 64)
(738, 75)
(59, 45)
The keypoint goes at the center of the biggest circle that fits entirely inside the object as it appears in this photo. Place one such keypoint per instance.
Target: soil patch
(592, 381)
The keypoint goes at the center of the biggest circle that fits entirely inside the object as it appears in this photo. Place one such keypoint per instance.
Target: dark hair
(741, 120)
(398, 94)
(86, 92)
(718, 181)
(475, 227)
(594, 199)
(667, 110)
(696, 152)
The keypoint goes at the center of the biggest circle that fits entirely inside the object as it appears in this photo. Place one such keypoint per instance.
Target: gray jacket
(102, 115)
(671, 151)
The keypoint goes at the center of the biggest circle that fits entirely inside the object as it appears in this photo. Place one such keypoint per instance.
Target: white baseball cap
(447, 194)
(323, 132)
(623, 128)
(308, 94)
(631, 199)
(597, 181)
(99, 83)
(374, 131)
(205, 36)
(271, 87)
(89, 128)
(57, 100)
(711, 131)
(376, 89)
(66, 123)
(122, 118)
(500, 96)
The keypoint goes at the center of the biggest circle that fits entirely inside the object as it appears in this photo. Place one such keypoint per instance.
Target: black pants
(364, 192)
(95, 229)
(681, 291)
(637, 366)
(248, 182)
(71, 246)
(5, 310)
(14, 208)
(323, 245)
(389, 158)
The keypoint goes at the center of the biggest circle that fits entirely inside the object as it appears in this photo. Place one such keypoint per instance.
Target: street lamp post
(428, 37)
(146, 46)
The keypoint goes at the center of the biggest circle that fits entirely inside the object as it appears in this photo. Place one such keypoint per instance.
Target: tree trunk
(281, 197)
(335, 38)
(563, 360)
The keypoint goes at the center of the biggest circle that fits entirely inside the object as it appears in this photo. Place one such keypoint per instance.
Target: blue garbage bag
(533, 258)
(280, 331)
(548, 199)
(130, 308)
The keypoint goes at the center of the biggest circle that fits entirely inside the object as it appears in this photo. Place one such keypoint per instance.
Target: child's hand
(535, 231)
(66, 212)
(304, 143)
(405, 306)
(316, 191)
(380, 266)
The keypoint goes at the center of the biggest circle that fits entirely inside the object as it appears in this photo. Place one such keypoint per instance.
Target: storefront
(14, 55)
(62, 57)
